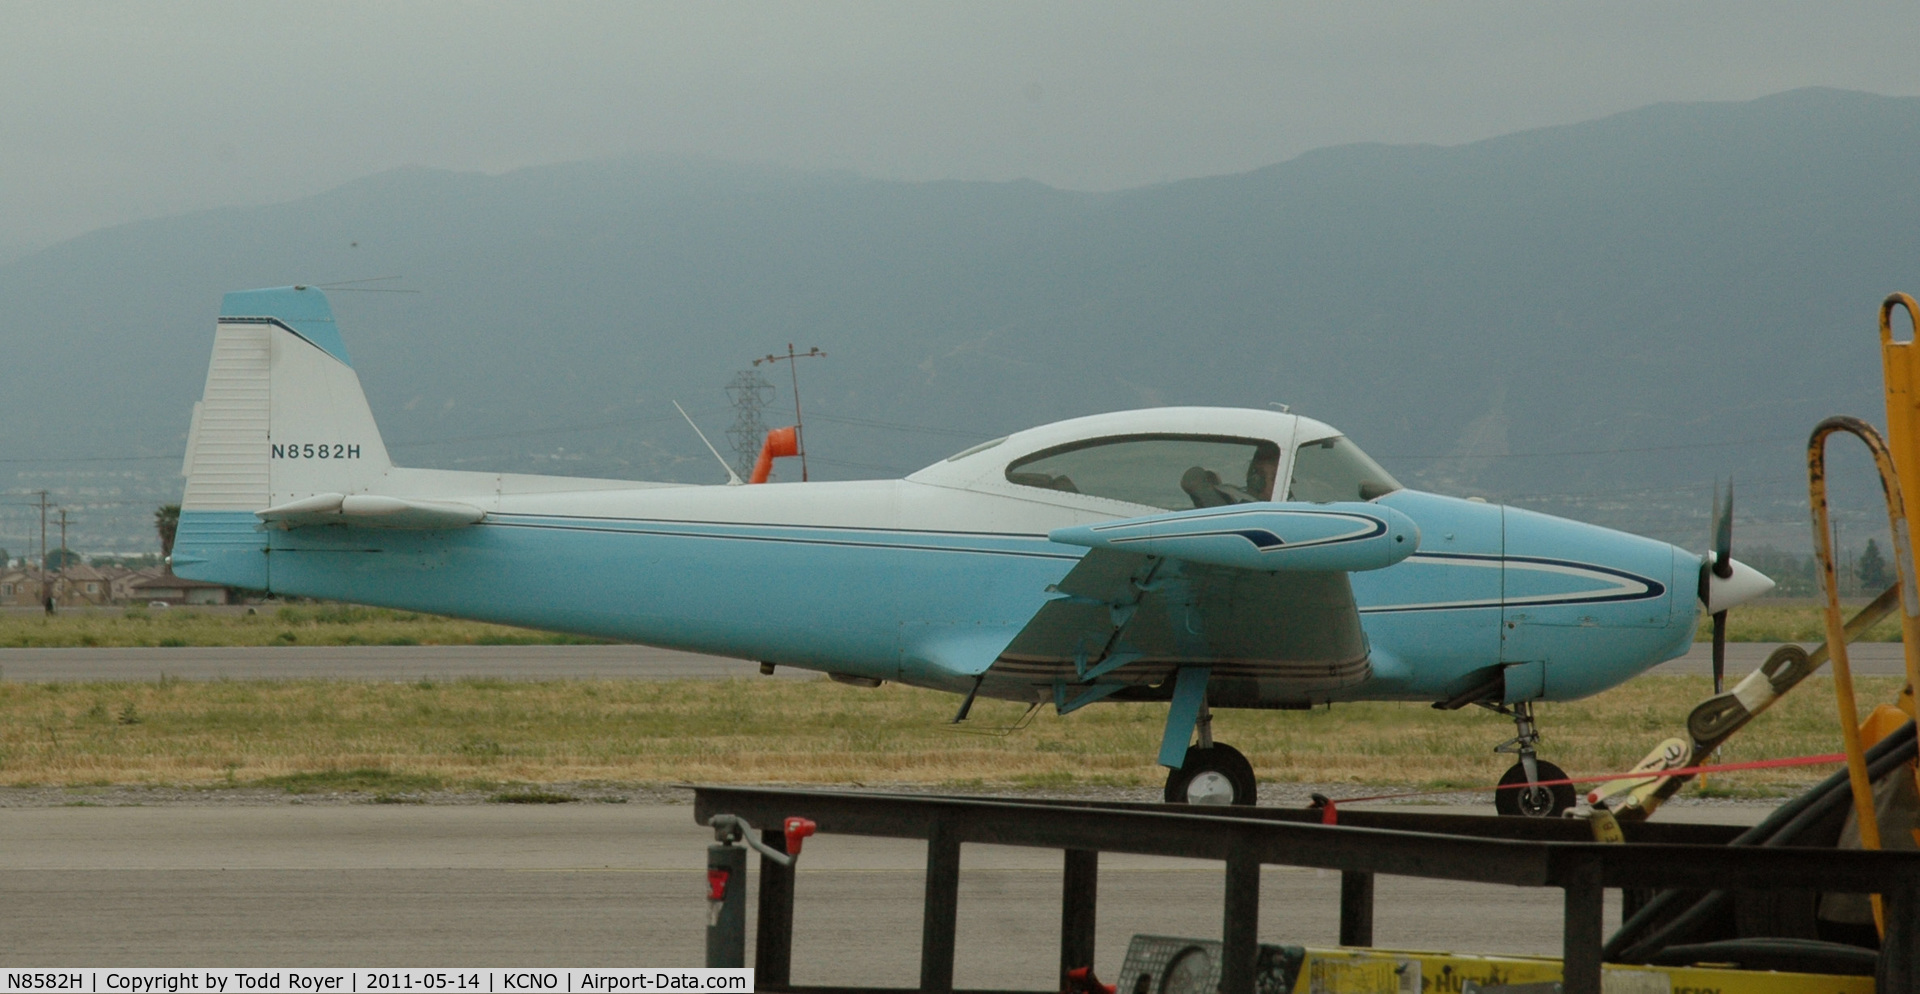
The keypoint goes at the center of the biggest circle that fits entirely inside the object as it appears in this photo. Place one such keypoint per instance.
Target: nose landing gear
(1520, 792)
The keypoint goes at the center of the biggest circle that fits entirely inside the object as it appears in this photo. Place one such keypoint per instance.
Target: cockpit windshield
(1175, 472)
(1334, 469)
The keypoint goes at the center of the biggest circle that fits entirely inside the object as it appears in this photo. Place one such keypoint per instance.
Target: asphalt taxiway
(1866, 659)
(620, 885)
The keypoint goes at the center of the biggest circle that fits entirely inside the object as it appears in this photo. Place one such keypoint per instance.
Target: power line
(1606, 452)
(532, 432)
(861, 465)
(895, 426)
(50, 459)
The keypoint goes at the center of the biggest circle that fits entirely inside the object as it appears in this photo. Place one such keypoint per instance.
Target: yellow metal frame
(1843, 690)
(1900, 369)
(1894, 457)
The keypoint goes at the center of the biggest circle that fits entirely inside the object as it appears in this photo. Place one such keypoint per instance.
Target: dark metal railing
(1245, 839)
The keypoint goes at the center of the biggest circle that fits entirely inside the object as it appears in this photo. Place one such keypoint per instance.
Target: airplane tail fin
(283, 417)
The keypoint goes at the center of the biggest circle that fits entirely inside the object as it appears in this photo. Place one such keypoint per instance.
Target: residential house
(120, 583)
(20, 587)
(80, 585)
(173, 590)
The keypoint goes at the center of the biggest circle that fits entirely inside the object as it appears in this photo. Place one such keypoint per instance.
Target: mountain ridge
(1679, 275)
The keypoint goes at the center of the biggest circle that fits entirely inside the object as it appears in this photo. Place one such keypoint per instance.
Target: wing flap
(1269, 636)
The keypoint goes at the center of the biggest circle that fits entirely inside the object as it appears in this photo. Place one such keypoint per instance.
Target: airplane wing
(370, 511)
(1256, 592)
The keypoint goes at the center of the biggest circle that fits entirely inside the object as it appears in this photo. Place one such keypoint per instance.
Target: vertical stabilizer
(283, 417)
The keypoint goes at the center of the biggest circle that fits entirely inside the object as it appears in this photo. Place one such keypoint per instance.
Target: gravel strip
(1271, 795)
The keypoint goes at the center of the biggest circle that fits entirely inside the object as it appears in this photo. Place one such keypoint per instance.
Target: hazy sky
(118, 111)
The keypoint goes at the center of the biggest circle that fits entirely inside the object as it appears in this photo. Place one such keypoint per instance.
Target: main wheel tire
(1533, 802)
(1217, 774)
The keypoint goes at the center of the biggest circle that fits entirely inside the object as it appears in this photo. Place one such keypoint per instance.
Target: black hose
(1886, 756)
(1778, 829)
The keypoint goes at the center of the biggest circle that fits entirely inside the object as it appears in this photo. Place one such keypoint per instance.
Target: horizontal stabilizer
(1292, 536)
(371, 511)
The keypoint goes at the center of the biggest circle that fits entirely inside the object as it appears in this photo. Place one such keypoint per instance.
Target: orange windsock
(780, 442)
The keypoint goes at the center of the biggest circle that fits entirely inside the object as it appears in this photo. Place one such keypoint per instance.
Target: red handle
(797, 829)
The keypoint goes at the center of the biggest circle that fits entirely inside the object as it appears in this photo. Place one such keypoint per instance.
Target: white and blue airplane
(1204, 557)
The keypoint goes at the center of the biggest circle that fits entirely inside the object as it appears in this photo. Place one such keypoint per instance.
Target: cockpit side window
(1334, 469)
(1175, 472)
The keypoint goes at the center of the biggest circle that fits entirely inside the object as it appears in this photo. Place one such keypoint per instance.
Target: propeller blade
(1723, 532)
(1720, 652)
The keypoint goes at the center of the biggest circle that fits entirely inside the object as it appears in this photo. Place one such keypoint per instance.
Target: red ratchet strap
(1329, 815)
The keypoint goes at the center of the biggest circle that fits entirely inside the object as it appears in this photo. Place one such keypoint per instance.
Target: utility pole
(63, 546)
(46, 589)
(793, 367)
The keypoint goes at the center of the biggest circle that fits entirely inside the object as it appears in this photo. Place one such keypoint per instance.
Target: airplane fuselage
(860, 578)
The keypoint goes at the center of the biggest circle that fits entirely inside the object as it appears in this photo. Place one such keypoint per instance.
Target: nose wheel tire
(1215, 774)
(1533, 802)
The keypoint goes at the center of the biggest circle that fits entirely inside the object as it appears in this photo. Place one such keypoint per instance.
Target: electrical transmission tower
(750, 393)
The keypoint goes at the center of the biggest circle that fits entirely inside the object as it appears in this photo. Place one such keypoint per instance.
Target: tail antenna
(733, 478)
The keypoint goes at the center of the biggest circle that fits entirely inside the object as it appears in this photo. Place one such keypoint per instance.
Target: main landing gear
(1520, 792)
(1209, 772)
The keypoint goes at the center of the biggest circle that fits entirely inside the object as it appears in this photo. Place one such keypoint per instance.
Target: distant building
(170, 589)
(94, 586)
(80, 585)
(20, 587)
(120, 583)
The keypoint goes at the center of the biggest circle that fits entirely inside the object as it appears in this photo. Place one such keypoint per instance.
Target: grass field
(268, 625)
(480, 734)
(1765, 622)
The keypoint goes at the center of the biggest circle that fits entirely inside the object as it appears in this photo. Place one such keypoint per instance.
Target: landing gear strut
(1519, 793)
(1213, 772)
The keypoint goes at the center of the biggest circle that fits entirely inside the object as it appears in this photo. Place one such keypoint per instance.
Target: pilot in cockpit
(1262, 472)
(1203, 485)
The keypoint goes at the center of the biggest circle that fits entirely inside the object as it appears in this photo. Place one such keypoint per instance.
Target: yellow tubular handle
(1900, 366)
(1836, 628)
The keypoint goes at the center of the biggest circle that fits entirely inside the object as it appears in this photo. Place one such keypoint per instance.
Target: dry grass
(339, 735)
(269, 625)
(1764, 622)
